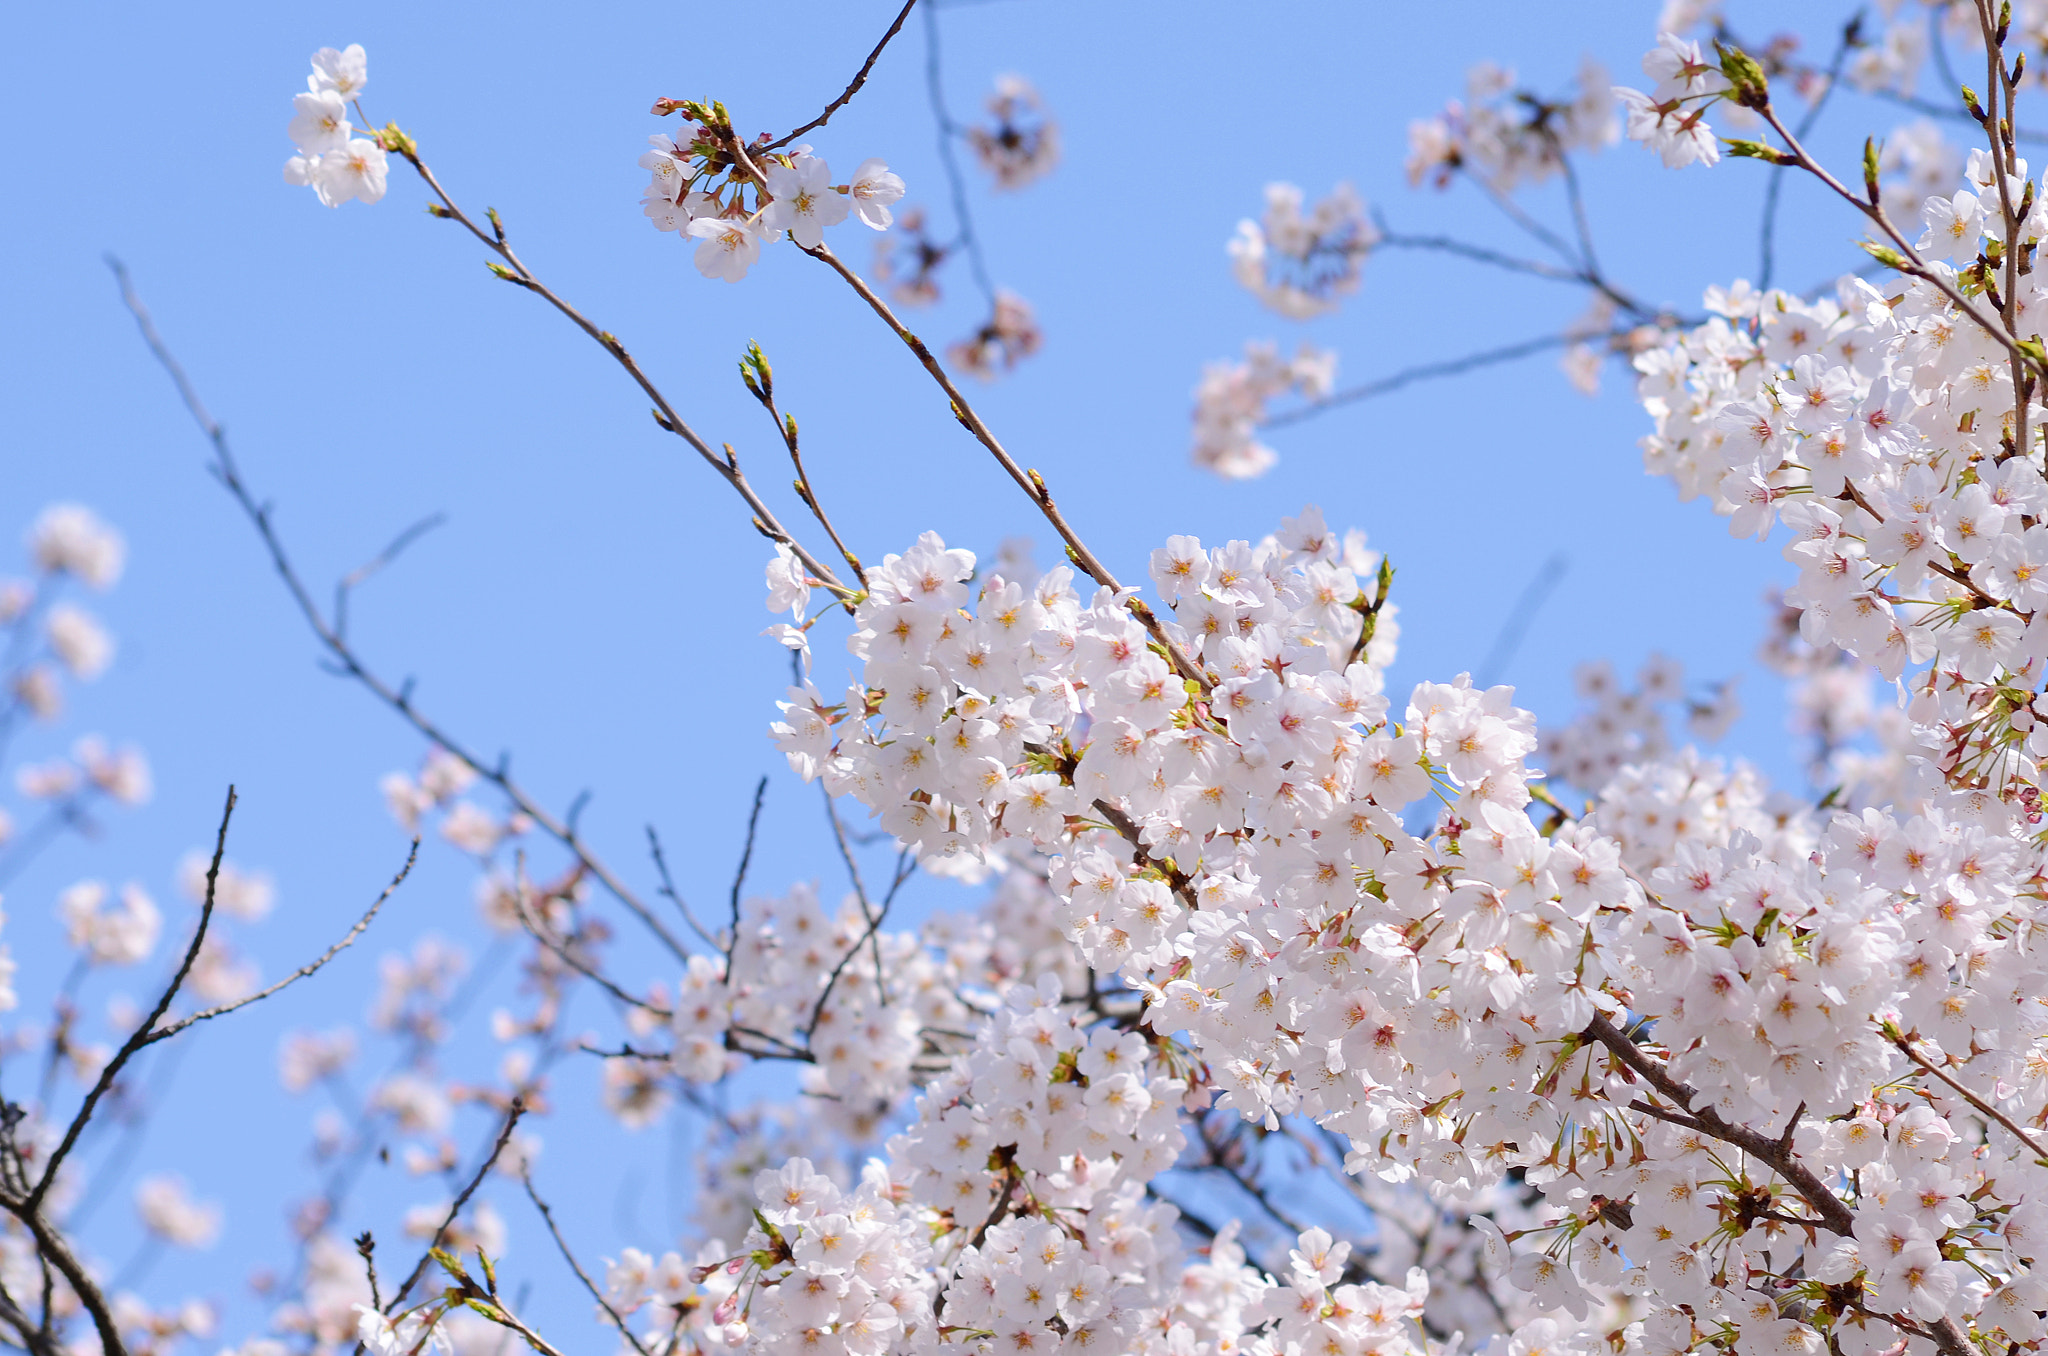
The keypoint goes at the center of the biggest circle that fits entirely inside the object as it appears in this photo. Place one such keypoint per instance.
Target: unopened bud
(1746, 82)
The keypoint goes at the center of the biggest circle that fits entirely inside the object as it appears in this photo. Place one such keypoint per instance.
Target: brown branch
(515, 271)
(141, 1037)
(512, 1115)
(536, 929)
(1983, 1107)
(526, 1179)
(785, 425)
(739, 878)
(668, 888)
(305, 971)
(30, 1337)
(853, 87)
(1776, 1154)
(1913, 265)
(51, 1245)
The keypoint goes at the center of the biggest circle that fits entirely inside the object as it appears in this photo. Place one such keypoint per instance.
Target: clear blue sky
(593, 602)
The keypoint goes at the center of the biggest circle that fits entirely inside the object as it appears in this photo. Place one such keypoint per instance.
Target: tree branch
(398, 700)
(853, 86)
(142, 1034)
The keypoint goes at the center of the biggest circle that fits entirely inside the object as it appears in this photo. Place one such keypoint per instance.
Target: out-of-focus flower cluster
(1303, 263)
(1509, 136)
(1628, 724)
(1023, 143)
(1231, 402)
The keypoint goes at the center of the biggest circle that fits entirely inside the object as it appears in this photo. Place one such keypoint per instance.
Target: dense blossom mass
(1296, 1016)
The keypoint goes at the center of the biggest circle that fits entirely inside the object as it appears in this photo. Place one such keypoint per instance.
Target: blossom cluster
(1022, 1177)
(1881, 430)
(1698, 1068)
(1011, 1218)
(732, 200)
(50, 636)
(1671, 118)
(332, 160)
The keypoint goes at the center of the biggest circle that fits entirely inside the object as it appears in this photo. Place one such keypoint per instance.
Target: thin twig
(1806, 124)
(963, 220)
(739, 878)
(1984, 1107)
(668, 888)
(512, 1115)
(377, 562)
(526, 1178)
(1520, 615)
(1912, 264)
(1407, 376)
(1030, 482)
(514, 270)
(399, 700)
(853, 87)
(304, 971)
(142, 1034)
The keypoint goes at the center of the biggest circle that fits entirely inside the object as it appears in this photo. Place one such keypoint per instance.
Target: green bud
(1746, 82)
(1890, 258)
(1756, 150)
(1870, 152)
(394, 139)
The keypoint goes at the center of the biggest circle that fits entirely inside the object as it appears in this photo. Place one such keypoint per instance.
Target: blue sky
(593, 600)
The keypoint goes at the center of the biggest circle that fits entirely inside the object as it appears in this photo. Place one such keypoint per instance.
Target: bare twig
(739, 878)
(949, 131)
(304, 971)
(875, 921)
(399, 700)
(377, 562)
(514, 270)
(526, 1179)
(1806, 124)
(760, 380)
(853, 86)
(1407, 376)
(512, 1114)
(1030, 482)
(668, 889)
(142, 1035)
(1520, 615)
